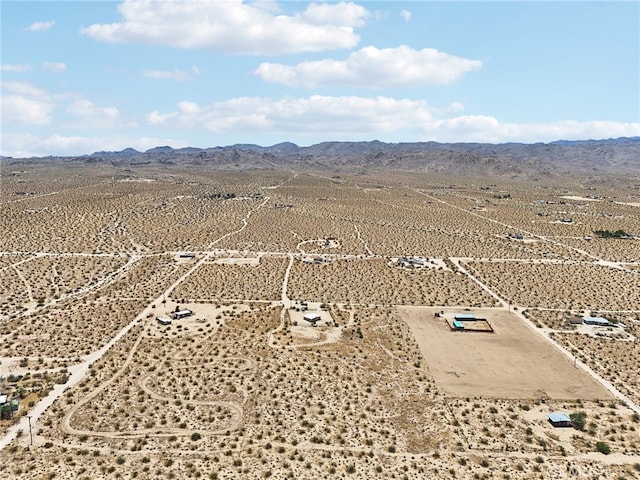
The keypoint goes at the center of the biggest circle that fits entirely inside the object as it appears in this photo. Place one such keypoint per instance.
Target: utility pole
(30, 433)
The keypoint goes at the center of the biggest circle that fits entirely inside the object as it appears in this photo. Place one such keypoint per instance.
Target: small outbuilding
(559, 419)
(312, 317)
(458, 325)
(464, 316)
(182, 314)
(163, 320)
(573, 320)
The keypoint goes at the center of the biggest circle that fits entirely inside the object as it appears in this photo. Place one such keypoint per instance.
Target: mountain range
(618, 156)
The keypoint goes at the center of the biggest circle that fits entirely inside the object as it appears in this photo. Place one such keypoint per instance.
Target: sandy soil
(580, 199)
(237, 391)
(512, 362)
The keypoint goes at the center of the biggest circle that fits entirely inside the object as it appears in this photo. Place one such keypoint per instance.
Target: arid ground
(91, 256)
(511, 362)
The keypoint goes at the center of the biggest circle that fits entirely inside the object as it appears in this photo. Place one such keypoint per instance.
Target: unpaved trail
(109, 278)
(364, 243)
(27, 285)
(286, 301)
(245, 222)
(78, 371)
(66, 425)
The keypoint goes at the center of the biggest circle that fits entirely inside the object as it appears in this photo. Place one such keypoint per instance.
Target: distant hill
(620, 155)
(126, 153)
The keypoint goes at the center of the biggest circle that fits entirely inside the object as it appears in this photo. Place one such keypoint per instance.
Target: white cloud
(333, 116)
(156, 118)
(26, 111)
(87, 109)
(232, 26)
(29, 145)
(374, 68)
(179, 75)
(22, 88)
(270, 6)
(344, 14)
(40, 26)
(19, 68)
(319, 118)
(454, 107)
(24, 104)
(89, 115)
(406, 15)
(55, 67)
(488, 129)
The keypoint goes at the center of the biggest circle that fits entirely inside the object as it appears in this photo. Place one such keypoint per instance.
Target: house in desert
(559, 419)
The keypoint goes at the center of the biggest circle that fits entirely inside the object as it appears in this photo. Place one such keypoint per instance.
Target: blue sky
(79, 77)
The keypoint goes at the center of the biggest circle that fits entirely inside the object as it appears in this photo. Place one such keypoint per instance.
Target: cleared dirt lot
(511, 363)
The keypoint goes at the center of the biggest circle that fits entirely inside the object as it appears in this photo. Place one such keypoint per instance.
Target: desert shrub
(578, 420)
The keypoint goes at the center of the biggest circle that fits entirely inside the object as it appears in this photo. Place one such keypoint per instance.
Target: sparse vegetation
(246, 388)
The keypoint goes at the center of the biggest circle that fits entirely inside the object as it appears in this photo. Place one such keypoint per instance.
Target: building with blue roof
(559, 419)
(458, 325)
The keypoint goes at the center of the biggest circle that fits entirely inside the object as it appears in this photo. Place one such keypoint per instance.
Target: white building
(312, 317)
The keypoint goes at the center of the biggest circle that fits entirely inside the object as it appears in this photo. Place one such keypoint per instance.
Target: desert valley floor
(320, 337)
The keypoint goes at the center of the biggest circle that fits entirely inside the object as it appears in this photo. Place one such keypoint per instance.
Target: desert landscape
(179, 321)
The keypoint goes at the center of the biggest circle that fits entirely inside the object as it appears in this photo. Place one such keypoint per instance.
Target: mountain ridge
(615, 155)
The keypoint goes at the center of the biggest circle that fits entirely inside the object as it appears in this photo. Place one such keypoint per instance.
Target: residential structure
(559, 419)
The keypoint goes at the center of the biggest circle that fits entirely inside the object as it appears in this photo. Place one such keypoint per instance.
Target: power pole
(30, 432)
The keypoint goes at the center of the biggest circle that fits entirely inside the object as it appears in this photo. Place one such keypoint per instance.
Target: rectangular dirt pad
(513, 362)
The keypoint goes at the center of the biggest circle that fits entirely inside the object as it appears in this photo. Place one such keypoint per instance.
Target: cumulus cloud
(179, 75)
(334, 117)
(55, 67)
(344, 14)
(488, 129)
(374, 68)
(40, 26)
(24, 104)
(233, 26)
(318, 118)
(406, 15)
(16, 68)
(87, 109)
(89, 115)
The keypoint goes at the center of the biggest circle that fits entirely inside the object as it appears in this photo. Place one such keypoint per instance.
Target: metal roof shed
(464, 316)
(312, 317)
(596, 321)
(559, 419)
